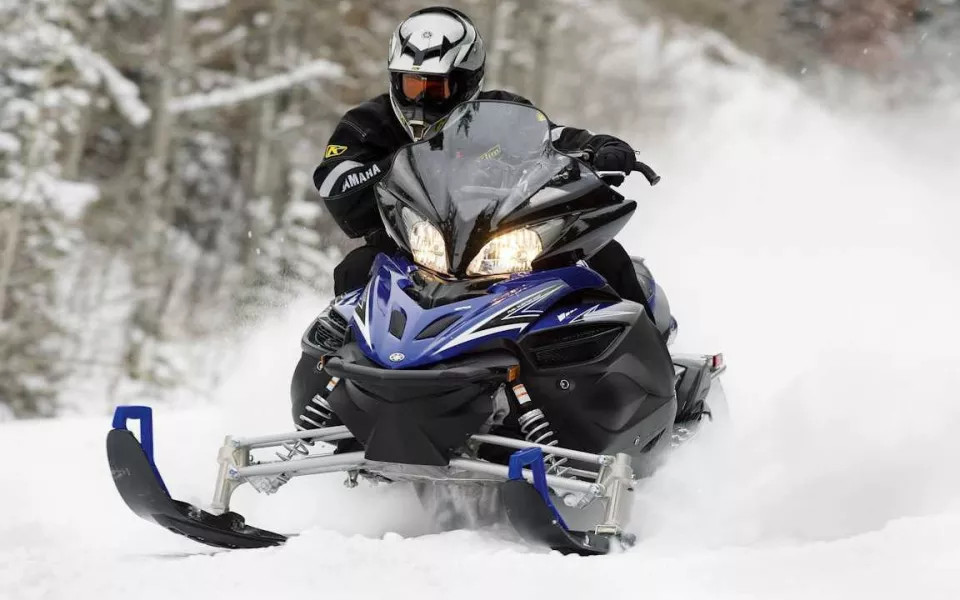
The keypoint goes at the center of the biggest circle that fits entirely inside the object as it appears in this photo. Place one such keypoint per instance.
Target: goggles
(429, 87)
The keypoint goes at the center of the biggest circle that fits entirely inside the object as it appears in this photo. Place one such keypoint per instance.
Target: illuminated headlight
(426, 242)
(508, 253)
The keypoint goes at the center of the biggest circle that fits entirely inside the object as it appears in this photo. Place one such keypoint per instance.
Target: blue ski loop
(533, 457)
(144, 415)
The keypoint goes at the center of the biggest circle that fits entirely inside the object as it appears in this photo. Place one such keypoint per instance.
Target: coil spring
(320, 416)
(536, 429)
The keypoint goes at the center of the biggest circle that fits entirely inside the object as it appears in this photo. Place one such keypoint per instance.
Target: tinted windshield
(488, 152)
(486, 160)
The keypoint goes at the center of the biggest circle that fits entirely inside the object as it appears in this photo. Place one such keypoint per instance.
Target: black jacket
(362, 147)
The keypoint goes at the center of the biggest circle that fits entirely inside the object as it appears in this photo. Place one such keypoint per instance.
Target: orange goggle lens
(432, 88)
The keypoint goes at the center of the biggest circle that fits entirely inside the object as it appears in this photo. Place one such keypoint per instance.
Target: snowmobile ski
(537, 524)
(533, 515)
(141, 487)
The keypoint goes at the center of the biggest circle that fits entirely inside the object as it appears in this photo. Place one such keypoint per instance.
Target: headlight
(426, 242)
(508, 253)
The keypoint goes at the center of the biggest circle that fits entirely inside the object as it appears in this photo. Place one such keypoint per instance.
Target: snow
(73, 197)
(197, 6)
(124, 93)
(318, 69)
(816, 250)
(9, 143)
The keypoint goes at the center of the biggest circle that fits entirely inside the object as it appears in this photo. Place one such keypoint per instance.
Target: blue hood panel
(508, 309)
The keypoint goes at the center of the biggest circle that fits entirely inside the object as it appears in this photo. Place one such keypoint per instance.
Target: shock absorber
(317, 414)
(320, 411)
(536, 429)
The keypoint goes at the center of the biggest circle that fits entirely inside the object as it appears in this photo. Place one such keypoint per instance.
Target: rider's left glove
(612, 154)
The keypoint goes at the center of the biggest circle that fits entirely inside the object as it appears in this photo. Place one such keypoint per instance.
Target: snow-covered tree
(47, 82)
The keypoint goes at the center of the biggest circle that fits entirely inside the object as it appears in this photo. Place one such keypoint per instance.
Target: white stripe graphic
(327, 186)
(362, 324)
(472, 333)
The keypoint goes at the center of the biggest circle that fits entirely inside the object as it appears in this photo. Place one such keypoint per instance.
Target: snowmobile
(485, 353)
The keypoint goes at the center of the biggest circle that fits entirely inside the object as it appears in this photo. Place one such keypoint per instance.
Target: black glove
(611, 154)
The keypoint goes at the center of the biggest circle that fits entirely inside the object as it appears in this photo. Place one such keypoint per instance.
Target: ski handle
(616, 178)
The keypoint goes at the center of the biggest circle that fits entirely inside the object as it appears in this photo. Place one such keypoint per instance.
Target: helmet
(436, 62)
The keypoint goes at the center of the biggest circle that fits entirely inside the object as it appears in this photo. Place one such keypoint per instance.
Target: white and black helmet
(436, 62)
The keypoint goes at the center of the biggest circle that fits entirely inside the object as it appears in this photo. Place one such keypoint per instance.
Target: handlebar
(618, 177)
(647, 171)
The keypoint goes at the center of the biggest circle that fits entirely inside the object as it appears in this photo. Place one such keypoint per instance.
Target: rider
(436, 61)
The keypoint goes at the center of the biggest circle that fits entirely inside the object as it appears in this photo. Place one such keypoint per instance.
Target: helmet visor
(427, 87)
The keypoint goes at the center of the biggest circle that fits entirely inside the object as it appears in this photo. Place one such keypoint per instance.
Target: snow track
(817, 251)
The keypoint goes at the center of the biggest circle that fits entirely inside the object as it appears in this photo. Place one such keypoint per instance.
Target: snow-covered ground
(817, 251)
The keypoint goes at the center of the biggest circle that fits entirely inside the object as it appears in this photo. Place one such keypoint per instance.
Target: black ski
(536, 523)
(533, 515)
(144, 492)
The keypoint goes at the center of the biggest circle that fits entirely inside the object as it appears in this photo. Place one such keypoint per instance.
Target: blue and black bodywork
(417, 380)
(425, 348)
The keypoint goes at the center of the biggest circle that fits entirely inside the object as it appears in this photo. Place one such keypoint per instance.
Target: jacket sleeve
(570, 139)
(353, 161)
(349, 163)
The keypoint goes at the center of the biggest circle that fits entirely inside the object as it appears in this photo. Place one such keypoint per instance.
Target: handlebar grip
(648, 172)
